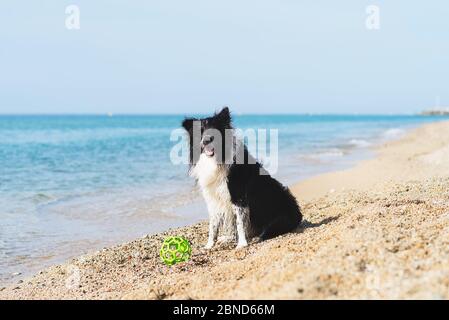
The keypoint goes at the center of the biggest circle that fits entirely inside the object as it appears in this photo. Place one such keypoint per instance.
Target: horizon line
(111, 115)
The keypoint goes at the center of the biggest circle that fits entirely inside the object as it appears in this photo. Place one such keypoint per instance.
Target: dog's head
(210, 136)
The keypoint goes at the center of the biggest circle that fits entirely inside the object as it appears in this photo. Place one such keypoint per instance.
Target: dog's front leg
(240, 213)
(227, 229)
(214, 223)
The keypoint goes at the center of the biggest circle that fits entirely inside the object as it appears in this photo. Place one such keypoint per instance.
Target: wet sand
(379, 230)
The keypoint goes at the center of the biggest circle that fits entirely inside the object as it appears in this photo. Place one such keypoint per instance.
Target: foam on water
(393, 133)
(360, 143)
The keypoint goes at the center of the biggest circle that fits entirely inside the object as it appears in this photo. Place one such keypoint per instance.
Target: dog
(241, 196)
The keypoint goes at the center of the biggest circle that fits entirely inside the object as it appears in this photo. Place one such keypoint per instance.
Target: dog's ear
(188, 124)
(224, 116)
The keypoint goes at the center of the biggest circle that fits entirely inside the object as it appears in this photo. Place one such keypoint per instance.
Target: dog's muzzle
(207, 147)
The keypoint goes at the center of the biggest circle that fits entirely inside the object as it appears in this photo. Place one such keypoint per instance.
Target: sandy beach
(379, 230)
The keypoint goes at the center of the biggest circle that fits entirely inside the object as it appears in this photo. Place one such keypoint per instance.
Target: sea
(72, 184)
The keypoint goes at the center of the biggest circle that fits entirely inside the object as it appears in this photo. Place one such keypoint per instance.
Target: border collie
(241, 196)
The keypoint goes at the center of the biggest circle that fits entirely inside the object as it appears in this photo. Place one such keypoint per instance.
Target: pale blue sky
(258, 56)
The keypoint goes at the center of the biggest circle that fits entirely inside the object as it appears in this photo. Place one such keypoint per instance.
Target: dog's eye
(208, 139)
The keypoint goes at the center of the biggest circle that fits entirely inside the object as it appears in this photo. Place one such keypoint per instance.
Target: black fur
(272, 208)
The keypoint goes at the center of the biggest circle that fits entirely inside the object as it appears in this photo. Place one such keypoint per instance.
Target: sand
(379, 230)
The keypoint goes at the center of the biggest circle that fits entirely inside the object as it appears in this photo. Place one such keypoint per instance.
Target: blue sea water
(71, 184)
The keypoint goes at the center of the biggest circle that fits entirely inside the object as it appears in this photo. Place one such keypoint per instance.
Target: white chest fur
(212, 180)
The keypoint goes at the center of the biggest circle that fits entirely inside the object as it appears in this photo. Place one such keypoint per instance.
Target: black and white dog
(239, 193)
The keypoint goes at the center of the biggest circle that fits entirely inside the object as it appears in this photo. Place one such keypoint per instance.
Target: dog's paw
(256, 240)
(225, 239)
(208, 246)
(241, 245)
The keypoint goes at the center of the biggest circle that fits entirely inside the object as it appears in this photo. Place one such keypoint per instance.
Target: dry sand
(379, 230)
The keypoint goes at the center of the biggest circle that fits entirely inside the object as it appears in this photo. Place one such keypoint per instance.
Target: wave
(331, 153)
(359, 143)
(393, 133)
(324, 154)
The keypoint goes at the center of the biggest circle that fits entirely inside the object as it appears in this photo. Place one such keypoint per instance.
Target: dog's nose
(207, 139)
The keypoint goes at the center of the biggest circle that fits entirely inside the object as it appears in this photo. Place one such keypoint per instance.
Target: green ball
(174, 250)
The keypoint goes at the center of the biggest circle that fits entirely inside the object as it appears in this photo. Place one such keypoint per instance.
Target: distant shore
(378, 230)
(438, 111)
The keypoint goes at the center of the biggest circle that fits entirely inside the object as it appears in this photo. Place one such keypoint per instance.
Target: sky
(284, 56)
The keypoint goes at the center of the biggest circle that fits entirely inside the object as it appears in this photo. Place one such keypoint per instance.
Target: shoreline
(398, 160)
(417, 165)
(166, 209)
